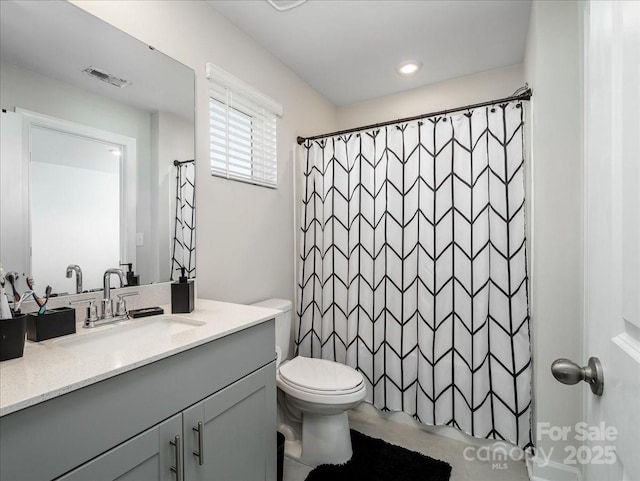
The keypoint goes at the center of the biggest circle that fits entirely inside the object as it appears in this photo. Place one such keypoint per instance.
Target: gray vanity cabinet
(226, 437)
(121, 428)
(148, 456)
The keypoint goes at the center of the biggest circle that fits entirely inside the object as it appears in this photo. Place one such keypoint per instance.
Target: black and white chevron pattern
(184, 228)
(414, 271)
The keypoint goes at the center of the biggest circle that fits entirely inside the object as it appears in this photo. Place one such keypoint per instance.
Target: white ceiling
(348, 50)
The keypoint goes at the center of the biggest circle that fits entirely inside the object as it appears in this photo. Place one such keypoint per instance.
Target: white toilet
(314, 396)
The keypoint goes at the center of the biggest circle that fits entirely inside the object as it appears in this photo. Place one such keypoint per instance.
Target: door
(612, 238)
(147, 456)
(236, 437)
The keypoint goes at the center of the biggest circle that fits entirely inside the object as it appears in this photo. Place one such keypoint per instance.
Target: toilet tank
(284, 324)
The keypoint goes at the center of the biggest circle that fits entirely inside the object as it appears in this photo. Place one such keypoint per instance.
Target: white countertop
(48, 370)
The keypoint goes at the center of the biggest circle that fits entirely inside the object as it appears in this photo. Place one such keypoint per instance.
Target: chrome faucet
(71, 268)
(107, 316)
(107, 303)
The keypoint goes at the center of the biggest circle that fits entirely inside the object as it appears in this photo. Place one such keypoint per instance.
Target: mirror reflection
(93, 123)
(87, 171)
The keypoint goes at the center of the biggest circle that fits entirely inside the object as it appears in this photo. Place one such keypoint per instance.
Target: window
(242, 130)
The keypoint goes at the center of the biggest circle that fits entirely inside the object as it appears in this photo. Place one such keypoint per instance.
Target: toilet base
(325, 440)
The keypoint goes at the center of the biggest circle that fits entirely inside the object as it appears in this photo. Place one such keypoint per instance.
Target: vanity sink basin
(127, 334)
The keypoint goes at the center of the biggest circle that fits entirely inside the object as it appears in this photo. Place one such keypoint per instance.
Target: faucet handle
(121, 305)
(92, 309)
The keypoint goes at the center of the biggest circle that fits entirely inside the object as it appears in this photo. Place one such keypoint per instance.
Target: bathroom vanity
(197, 404)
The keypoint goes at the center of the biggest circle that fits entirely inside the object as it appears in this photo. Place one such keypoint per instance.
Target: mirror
(93, 121)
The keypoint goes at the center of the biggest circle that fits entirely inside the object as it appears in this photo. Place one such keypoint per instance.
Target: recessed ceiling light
(409, 67)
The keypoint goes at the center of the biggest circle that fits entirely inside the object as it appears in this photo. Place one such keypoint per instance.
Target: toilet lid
(320, 374)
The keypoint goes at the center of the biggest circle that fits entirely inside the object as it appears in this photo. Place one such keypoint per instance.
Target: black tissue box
(12, 333)
(53, 323)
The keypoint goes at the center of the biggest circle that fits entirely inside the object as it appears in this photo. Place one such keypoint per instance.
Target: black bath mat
(376, 460)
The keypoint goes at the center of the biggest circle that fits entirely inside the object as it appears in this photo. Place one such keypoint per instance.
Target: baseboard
(551, 471)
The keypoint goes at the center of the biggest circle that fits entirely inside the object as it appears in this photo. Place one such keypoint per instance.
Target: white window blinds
(242, 130)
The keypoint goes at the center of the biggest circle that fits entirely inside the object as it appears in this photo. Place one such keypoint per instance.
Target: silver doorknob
(568, 372)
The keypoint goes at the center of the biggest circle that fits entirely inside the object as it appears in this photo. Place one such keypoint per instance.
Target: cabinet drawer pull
(200, 452)
(177, 445)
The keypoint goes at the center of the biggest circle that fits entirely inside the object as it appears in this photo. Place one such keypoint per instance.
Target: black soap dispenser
(132, 278)
(182, 294)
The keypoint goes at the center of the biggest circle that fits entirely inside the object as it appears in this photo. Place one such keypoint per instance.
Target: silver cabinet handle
(568, 372)
(200, 452)
(177, 445)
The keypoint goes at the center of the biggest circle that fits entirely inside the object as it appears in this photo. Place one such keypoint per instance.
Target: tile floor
(367, 420)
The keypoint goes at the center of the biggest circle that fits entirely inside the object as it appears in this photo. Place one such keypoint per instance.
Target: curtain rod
(177, 162)
(525, 95)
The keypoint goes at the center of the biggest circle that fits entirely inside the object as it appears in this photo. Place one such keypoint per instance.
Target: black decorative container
(12, 333)
(182, 294)
(53, 323)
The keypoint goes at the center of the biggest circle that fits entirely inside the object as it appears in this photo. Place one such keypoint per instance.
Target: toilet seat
(320, 376)
(320, 392)
(320, 381)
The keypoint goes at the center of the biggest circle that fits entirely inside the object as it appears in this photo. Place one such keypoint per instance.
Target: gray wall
(553, 69)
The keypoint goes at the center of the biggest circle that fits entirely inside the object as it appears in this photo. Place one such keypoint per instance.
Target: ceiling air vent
(106, 77)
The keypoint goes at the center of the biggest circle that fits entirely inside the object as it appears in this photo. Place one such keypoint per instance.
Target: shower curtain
(413, 268)
(184, 228)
